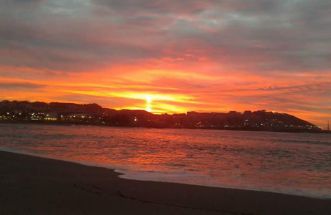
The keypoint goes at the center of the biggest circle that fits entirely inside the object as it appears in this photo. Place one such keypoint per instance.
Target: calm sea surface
(294, 163)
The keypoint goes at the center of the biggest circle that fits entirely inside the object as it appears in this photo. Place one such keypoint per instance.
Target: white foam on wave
(202, 180)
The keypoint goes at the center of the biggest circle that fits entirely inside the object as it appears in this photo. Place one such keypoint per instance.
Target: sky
(169, 55)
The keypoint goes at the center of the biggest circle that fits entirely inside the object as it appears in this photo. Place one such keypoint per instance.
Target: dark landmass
(31, 185)
(93, 114)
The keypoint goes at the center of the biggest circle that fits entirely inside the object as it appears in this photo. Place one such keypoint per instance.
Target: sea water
(291, 163)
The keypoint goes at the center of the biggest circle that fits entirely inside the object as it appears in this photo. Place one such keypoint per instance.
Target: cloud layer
(212, 55)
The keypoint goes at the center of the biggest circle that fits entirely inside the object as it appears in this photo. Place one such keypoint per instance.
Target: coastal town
(93, 114)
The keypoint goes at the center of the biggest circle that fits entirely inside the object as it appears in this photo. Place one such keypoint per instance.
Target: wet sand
(32, 185)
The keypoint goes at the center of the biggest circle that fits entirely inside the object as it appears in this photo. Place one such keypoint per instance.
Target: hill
(24, 111)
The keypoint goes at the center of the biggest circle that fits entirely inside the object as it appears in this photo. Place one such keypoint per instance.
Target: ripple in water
(293, 163)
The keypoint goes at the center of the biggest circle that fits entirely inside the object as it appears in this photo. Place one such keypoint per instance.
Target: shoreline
(47, 186)
(147, 127)
(151, 127)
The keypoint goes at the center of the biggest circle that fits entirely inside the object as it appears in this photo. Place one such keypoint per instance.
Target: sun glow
(149, 103)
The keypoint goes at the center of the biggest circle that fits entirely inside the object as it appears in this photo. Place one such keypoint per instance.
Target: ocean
(290, 163)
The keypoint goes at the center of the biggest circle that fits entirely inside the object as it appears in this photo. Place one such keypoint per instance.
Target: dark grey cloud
(303, 88)
(20, 86)
(156, 7)
(254, 36)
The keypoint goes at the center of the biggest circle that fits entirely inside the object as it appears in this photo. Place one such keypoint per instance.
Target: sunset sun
(149, 100)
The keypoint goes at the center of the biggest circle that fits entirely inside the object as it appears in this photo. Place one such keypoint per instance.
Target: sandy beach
(32, 185)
